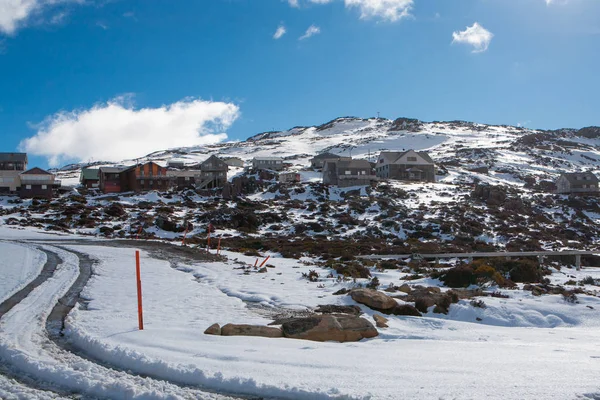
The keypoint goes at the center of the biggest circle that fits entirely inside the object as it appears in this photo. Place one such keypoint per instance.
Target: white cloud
(293, 3)
(15, 13)
(311, 31)
(476, 36)
(115, 130)
(390, 10)
(279, 32)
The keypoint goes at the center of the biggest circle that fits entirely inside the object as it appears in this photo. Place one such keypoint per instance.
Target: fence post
(139, 290)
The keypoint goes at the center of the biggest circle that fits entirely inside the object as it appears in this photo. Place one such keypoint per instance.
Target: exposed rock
(405, 288)
(405, 309)
(380, 321)
(250, 330)
(341, 291)
(373, 299)
(336, 327)
(115, 210)
(335, 309)
(262, 270)
(214, 329)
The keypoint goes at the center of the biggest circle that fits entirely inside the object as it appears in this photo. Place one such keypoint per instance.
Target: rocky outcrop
(335, 309)
(250, 330)
(373, 299)
(329, 327)
(380, 321)
(214, 329)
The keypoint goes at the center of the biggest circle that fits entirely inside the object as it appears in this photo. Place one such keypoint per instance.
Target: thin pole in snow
(263, 263)
(139, 290)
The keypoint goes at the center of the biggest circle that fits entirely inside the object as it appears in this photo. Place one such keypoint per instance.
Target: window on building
(411, 158)
(142, 182)
(44, 187)
(348, 172)
(28, 187)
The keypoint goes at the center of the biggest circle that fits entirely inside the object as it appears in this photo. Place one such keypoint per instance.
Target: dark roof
(353, 164)
(36, 171)
(396, 155)
(90, 174)
(325, 156)
(572, 177)
(4, 157)
(111, 170)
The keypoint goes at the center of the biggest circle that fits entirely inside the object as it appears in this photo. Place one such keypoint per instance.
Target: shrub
(526, 271)
(588, 280)
(387, 264)
(312, 275)
(478, 303)
(459, 276)
(353, 270)
(374, 284)
(570, 297)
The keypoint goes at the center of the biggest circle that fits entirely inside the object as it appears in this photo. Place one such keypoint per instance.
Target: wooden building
(289, 177)
(406, 166)
(90, 177)
(318, 161)
(110, 179)
(213, 173)
(145, 177)
(11, 167)
(272, 163)
(577, 183)
(37, 183)
(348, 173)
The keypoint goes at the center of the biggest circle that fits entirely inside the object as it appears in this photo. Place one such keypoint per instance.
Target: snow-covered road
(27, 350)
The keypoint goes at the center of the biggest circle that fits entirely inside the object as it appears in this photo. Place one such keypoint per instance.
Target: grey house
(577, 182)
(406, 166)
(318, 161)
(11, 167)
(344, 173)
(213, 173)
(272, 163)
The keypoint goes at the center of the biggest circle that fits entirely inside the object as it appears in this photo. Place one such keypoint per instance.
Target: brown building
(348, 173)
(145, 177)
(289, 177)
(110, 179)
(213, 173)
(37, 182)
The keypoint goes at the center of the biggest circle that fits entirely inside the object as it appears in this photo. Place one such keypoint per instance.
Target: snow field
(19, 265)
(511, 354)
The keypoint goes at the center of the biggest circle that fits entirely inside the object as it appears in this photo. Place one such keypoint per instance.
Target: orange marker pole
(255, 263)
(138, 233)
(139, 290)
(219, 246)
(263, 263)
(184, 235)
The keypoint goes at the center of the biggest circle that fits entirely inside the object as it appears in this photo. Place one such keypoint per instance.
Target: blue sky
(106, 79)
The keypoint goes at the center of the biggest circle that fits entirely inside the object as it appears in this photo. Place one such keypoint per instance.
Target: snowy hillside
(512, 155)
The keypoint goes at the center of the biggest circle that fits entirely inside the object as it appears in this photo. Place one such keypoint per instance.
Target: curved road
(35, 359)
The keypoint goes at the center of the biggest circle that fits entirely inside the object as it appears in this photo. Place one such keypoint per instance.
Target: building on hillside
(90, 177)
(184, 179)
(11, 166)
(37, 182)
(406, 166)
(318, 161)
(110, 179)
(272, 163)
(234, 162)
(175, 164)
(577, 182)
(213, 173)
(145, 177)
(348, 173)
(289, 177)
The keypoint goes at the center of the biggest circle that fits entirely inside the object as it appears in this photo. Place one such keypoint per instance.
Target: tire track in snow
(26, 347)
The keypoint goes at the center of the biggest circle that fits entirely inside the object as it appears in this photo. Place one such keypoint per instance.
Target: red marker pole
(219, 246)
(139, 290)
(184, 235)
(263, 263)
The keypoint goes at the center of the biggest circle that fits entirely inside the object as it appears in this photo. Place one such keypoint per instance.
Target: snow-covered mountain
(496, 154)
